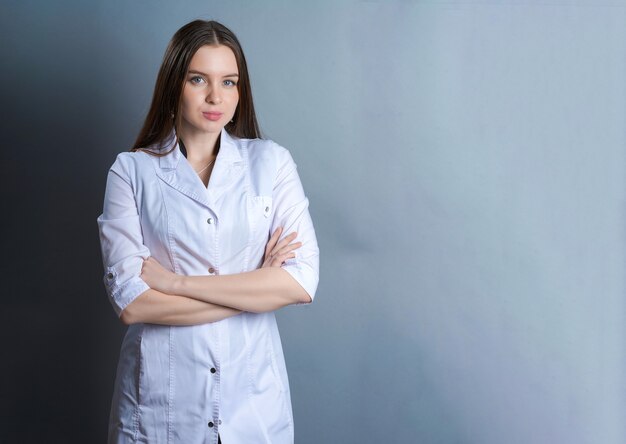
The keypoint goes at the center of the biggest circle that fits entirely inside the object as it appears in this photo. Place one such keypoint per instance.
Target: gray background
(465, 166)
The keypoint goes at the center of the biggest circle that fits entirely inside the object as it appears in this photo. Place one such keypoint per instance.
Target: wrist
(178, 284)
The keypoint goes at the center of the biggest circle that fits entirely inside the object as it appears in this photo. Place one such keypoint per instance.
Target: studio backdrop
(464, 162)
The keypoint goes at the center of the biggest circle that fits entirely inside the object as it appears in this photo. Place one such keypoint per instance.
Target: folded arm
(154, 307)
(266, 289)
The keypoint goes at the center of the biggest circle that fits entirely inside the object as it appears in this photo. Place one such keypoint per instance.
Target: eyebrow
(193, 71)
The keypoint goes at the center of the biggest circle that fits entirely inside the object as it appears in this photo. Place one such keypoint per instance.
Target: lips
(212, 115)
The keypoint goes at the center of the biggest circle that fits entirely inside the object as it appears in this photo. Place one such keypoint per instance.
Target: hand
(276, 253)
(157, 277)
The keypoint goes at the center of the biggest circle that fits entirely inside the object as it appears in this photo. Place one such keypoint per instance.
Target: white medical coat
(187, 384)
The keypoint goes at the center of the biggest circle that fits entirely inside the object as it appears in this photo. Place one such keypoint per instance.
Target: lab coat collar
(178, 173)
(229, 151)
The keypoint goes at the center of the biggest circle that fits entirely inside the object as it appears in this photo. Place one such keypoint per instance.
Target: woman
(190, 264)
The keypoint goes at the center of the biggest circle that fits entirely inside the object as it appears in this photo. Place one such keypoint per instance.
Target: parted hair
(164, 114)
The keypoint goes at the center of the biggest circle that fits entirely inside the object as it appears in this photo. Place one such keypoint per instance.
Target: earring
(172, 115)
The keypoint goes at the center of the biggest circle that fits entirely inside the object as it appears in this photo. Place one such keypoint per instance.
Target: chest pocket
(260, 215)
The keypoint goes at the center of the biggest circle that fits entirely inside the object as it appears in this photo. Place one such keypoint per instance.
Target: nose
(214, 97)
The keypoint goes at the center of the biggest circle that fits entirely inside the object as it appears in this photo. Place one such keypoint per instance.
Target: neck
(199, 145)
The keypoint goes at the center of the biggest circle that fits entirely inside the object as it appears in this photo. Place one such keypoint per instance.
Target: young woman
(198, 236)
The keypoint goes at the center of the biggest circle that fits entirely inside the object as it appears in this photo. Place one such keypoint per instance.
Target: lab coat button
(213, 370)
(110, 276)
(211, 270)
(211, 424)
(209, 220)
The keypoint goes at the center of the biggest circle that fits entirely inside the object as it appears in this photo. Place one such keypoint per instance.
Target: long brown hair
(168, 91)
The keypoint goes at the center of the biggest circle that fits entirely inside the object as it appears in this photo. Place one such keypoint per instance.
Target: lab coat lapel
(229, 167)
(175, 171)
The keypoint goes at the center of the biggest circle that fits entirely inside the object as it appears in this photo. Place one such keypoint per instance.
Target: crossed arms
(186, 300)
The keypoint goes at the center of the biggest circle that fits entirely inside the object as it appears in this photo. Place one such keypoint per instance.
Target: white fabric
(165, 391)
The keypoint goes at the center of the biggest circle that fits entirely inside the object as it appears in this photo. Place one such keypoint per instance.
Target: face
(210, 94)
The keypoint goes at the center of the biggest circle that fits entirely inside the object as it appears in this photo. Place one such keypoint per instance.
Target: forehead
(214, 60)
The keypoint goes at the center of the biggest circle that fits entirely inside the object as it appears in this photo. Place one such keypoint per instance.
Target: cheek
(234, 102)
(184, 105)
(191, 98)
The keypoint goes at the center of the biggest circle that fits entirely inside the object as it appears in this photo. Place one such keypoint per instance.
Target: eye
(196, 80)
(229, 82)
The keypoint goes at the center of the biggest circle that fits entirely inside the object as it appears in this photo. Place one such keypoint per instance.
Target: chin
(211, 127)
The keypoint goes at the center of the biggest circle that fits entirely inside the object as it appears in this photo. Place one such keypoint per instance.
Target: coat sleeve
(121, 238)
(291, 211)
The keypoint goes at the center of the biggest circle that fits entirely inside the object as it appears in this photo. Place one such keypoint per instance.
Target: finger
(272, 242)
(286, 240)
(288, 248)
(280, 244)
(150, 261)
(280, 259)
